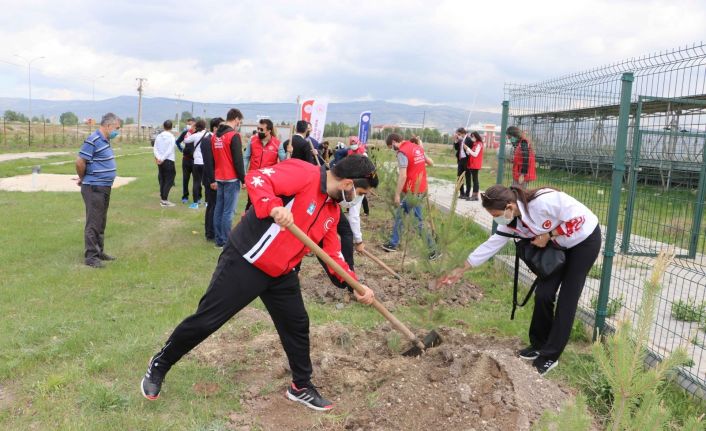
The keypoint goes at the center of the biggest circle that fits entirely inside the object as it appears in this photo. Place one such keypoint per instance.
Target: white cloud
(442, 52)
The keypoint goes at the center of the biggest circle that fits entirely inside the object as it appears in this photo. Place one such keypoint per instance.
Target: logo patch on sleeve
(312, 207)
(547, 224)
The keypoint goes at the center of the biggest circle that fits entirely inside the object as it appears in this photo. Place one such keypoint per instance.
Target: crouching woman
(543, 215)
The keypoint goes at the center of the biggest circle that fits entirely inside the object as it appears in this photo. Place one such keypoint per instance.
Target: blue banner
(364, 128)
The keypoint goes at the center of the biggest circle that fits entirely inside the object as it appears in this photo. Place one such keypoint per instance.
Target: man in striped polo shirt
(96, 171)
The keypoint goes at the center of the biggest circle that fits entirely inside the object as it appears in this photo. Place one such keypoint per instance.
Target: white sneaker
(166, 204)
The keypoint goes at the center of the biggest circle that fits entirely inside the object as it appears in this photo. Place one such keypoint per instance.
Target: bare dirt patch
(49, 183)
(469, 382)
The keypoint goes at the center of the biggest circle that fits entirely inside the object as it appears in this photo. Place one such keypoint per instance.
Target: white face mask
(346, 204)
(354, 147)
(503, 220)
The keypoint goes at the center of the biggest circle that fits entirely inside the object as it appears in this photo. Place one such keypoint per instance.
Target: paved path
(684, 279)
(35, 155)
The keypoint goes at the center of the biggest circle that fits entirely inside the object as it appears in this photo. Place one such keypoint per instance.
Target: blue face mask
(113, 134)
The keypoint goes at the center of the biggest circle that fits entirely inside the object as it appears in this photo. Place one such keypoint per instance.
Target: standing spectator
(187, 159)
(209, 180)
(523, 169)
(475, 163)
(299, 147)
(164, 157)
(96, 169)
(355, 147)
(195, 143)
(325, 152)
(313, 145)
(462, 149)
(262, 152)
(229, 173)
(412, 181)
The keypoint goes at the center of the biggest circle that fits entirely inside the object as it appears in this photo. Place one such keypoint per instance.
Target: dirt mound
(317, 287)
(469, 382)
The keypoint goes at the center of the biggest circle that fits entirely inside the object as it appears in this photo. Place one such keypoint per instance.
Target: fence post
(614, 210)
(501, 148)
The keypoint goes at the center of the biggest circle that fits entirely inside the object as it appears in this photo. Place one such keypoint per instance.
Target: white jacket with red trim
(550, 210)
(301, 187)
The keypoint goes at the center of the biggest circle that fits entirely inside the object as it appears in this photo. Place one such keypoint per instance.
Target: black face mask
(261, 135)
(307, 134)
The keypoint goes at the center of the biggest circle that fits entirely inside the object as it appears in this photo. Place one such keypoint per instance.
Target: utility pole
(139, 104)
(178, 96)
(29, 86)
(424, 117)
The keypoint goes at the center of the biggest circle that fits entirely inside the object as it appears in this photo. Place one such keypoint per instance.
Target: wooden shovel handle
(301, 236)
(381, 264)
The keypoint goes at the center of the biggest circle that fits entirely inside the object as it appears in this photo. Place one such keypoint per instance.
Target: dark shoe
(474, 197)
(389, 247)
(529, 353)
(434, 255)
(95, 263)
(104, 256)
(544, 365)
(310, 397)
(151, 384)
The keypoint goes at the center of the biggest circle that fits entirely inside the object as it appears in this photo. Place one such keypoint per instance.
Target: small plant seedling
(689, 310)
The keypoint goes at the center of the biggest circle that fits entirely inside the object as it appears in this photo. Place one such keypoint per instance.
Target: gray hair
(109, 119)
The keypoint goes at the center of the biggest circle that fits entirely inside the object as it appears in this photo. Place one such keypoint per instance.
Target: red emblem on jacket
(547, 224)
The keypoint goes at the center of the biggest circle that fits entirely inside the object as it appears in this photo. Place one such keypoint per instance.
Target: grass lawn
(76, 341)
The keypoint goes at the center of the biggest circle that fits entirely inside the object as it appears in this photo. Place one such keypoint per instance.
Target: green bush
(689, 310)
(614, 305)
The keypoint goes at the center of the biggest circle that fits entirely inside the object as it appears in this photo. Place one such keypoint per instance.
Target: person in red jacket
(229, 173)
(475, 162)
(262, 151)
(523, 169)
(262, 258)
(412, 181)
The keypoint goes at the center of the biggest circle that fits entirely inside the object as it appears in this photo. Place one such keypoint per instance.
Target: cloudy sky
(445, 52)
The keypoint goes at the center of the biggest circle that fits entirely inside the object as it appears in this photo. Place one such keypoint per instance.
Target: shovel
(381, 264)
(418, 346)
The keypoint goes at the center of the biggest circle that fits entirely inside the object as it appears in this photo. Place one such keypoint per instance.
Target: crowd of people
(321, 190)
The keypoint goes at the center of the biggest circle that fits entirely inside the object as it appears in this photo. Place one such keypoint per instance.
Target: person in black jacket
(462, 147)
(301, 148)
(209, 180)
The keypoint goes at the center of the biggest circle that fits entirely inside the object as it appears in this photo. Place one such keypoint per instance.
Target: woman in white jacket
(543, 215)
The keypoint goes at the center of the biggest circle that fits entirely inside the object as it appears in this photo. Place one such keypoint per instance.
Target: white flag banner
(318, 118)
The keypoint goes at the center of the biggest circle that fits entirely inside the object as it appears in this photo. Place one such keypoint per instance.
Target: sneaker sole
(551, 367)
(529, 358)
(142, 390)
(389, 250)
(311, 406)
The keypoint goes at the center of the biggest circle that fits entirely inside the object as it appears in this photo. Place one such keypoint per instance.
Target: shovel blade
(432, 339)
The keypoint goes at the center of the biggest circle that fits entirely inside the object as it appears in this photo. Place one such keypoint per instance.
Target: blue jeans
(226, 200)
(395, 240)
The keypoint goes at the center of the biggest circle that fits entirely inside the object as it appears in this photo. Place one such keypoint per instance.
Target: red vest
(477, 161)
(517, 162)
(222, 157)
(263, 156)
(416, 168)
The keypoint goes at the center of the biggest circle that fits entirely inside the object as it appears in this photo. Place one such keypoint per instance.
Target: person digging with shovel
(261, 259)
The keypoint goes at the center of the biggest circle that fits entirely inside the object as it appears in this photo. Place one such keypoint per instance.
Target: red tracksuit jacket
(301, 187)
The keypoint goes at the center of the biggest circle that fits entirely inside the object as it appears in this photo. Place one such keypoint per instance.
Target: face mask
(354, 147)
(261, 135)
(350, 203)
(513, 140)
(113, 134)
(502, 220)
(473, 139)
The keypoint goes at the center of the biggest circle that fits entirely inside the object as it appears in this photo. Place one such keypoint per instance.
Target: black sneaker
(104, 256)
(310, 397)
(151, 383)
(434, 255)
(389, 247)
(529, 353)
(544, 365)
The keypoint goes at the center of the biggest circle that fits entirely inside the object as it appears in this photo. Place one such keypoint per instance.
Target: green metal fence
(628, 140)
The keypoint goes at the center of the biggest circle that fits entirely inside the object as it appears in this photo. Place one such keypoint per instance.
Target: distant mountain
(156, 110)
